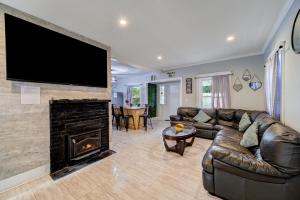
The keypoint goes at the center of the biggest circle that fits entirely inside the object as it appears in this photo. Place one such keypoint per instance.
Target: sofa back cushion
(280, 147)
(187, 111)
(252, 114)
(210, 112)
(190, 112)
(264, 121)
(226, 117)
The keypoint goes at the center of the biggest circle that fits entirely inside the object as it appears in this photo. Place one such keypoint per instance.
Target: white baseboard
(20, 179)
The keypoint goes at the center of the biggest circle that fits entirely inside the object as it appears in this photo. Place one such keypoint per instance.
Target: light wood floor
(141, 169)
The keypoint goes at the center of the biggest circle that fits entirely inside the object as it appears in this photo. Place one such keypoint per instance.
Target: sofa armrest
(175, 118)
(246, 162)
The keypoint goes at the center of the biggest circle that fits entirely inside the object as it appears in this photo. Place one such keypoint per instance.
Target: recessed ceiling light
(123, 22)
(230, 38)
(159, 57)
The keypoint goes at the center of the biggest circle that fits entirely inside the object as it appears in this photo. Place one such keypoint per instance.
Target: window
(205, 92)
(136, 96)
(162, 95)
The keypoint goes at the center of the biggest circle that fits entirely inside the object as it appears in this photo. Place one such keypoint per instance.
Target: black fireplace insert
(84, 144)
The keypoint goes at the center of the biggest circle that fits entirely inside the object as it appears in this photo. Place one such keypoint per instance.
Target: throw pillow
(245, 122)
(250, 136)
(202, 117)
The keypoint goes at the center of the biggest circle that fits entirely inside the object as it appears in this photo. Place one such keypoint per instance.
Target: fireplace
(84, 145)
(79, 132)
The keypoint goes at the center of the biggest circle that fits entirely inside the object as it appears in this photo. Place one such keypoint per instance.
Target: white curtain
(129, 95)
(270, 84)
(273, 81)
(221, 92)
(143, 94)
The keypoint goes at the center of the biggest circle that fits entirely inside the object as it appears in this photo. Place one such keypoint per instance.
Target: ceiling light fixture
(230, 38)
(159, 57)
(123, 22)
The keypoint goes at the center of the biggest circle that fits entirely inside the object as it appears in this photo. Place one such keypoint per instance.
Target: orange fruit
(179, 127)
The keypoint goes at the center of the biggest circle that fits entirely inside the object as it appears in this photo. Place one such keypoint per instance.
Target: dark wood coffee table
(180, 138)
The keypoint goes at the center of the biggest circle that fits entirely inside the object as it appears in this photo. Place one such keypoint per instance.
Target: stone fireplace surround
(27, 127)
(79, 130)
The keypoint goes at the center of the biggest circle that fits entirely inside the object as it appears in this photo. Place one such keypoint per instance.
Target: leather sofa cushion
(225, 123)
(175, 118)
(200, 125)
(187, 111)
(212, 121)
(188, 119)
(252, 114)
(220, 127)
(280, 146)
(226, 114)
(247, 162)
(186, 123)
(264, 122)
(230, 140)
(247, 174)
(229, 133)
(210, 112)
(226, 117)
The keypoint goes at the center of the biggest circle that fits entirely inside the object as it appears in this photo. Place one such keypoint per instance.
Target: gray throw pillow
(245, 122)
(250, 136)
(202, 117)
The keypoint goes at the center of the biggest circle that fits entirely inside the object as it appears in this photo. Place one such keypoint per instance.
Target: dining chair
(125, 119)
(146, 117)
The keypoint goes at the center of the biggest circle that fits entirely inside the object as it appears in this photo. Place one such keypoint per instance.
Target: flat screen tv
(37, 54)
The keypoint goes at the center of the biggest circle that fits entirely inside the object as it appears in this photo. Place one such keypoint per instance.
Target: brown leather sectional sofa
(269, 171)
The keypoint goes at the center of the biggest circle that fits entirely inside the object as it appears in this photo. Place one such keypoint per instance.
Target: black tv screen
(37, 54)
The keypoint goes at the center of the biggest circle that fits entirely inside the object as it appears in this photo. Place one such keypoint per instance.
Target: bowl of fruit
(179, 127)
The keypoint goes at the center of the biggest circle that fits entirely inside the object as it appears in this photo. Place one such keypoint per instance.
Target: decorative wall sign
(153, 77)
(171, 74)
(296, 34)
(189, 85)
(246, 76)
(255, 83)
(237, 86)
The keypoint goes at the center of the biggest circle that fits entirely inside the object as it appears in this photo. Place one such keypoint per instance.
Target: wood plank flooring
(141, 169)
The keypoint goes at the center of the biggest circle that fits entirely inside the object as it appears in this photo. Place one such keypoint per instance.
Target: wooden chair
(125, 119)
(146, 117)
(115, 116)
(113, 113)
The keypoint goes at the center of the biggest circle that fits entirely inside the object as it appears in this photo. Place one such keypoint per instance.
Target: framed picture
(189, 85)
(296, 34)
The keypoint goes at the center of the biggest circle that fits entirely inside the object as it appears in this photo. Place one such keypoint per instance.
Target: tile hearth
(141, 169)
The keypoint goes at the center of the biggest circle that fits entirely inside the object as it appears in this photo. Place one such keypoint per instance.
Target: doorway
(168, 99)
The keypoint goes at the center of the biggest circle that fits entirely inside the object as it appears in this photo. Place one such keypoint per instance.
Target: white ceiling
(118, 68)
(183, 32)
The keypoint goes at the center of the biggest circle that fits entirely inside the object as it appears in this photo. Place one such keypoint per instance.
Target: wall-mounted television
(37, 54)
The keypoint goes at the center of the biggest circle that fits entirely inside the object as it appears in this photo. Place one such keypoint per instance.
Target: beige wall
(291, 74)
(245, 98)
(24, 129)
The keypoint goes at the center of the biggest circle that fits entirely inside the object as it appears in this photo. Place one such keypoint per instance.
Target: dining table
(135, 112)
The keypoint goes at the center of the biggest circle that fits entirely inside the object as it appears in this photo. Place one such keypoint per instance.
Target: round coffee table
(180, 138)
